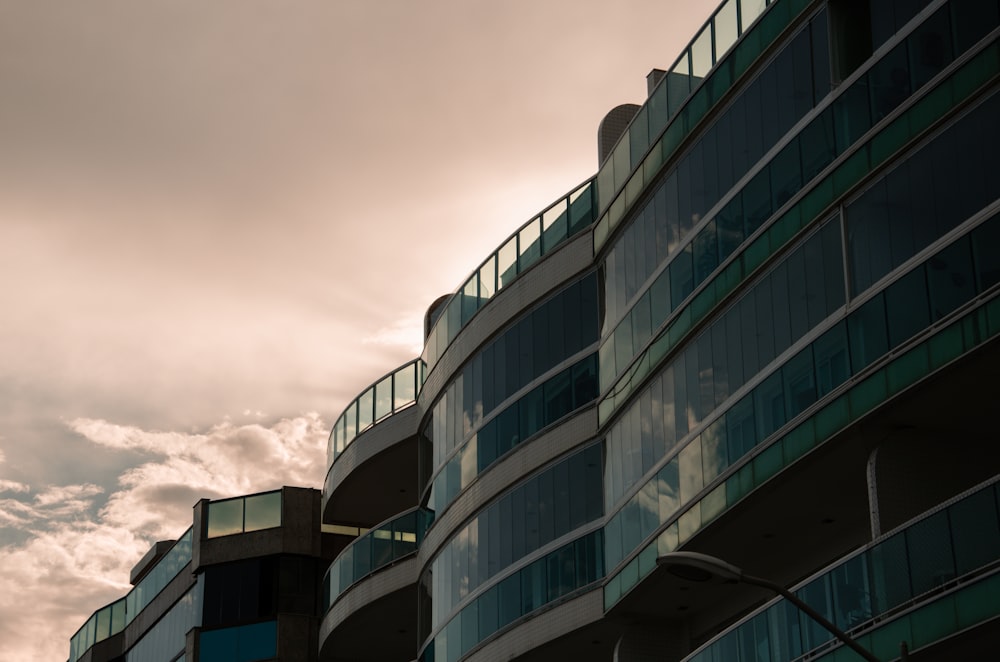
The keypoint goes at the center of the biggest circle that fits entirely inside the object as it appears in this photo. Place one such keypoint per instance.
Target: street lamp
(696, 567)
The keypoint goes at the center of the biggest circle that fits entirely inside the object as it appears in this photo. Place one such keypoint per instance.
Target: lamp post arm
(812, 613)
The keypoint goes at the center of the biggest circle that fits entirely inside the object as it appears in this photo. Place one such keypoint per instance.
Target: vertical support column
(873, 511)
(653, 642)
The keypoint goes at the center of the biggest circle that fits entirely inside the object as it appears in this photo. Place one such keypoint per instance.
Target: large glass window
(928, 194)
(846, 349)
(528, 348)
(779, 308)
(526, 518)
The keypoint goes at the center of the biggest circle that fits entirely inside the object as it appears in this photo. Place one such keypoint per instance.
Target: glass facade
(558, 574)
(685, 261)
(547, 403)
(867, 391)
(164, 642)
(722, 156)
(711, 45)
(813, 375)
(529, 517)
(781, 307)
(554, 331)
(856, 164)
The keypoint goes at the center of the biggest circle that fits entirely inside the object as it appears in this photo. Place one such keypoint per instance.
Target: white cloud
(13, 486)
(80, 548)
(407, 333)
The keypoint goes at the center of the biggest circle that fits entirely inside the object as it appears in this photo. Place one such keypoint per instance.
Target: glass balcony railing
(102, 624)
(535, 239)
(113, 618)
(227, 517)
(390, 394)
(951, 547)
(670, 100)
(382, 545)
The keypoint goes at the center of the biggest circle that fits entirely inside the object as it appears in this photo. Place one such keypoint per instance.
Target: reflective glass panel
(701, 53)
(507, 263)
(404, 387)
(225, 517)
(263, 511)
(529, 244)
(383, 398)
(726, 29)
(366, 408)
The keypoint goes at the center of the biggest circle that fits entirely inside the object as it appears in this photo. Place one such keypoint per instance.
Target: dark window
(851, 25)
(950, 279)
(906, 307)
(985, 240)
(681, 276)
(869, 338)
(889, 82)
(239, 592)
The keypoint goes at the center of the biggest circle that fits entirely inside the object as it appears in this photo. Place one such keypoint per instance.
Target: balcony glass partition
(102, 624)
(379, 547)
(912, 566)
(393, 392)
(242, 514)
(532, 241)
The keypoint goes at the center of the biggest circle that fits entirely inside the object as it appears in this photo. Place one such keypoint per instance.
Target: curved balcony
(372, 478)
(383, 545)
(373, 582)
(932, 578)
(388, 395)
(541, 235)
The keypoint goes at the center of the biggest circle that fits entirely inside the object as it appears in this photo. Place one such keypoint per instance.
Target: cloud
(54, 503)
(82, 540)
(13, 486)
(407, 333)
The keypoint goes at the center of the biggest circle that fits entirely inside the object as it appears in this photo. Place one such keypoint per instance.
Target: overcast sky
(221, 220)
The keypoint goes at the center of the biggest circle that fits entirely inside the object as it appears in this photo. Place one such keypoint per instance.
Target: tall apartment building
(764, 331)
